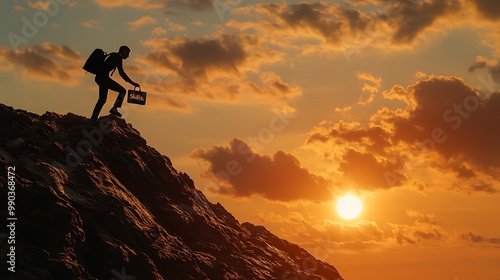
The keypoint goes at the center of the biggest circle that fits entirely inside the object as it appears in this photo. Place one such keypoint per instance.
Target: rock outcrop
(91, 200)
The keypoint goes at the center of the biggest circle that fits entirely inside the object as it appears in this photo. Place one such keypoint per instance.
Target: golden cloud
(242, 173)
(424, 229)
(143, 4)
(45, 61)
(145, 20)
(371, 85)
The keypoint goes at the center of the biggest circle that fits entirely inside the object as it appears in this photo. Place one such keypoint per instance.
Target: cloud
(373, 139)
(39, 5)
(308, 230)
(274, 86)
(367, 172)
(44, 62)
(416, 16)
(283, 23)
(216, 69)
(195, 60)
(358, 231)
(371, 85)
(340, 27)
(244, 173)
(145, 20)
(157, 31)
(479, 240)
(424, 229)
(197, 5)
(174, 27)
(197, 23)
(144, 4)
(487, 8)
(447, 126)
(90, 23)
(492, 66)
(451, 118)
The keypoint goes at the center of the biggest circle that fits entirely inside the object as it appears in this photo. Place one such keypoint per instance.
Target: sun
(349, 207)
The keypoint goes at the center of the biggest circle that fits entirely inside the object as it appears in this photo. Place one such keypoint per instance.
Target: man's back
(112, 61)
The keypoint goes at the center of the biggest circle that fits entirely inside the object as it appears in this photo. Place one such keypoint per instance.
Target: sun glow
(349, 207)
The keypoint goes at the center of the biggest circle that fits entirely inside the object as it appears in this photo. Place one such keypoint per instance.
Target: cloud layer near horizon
(419, 228)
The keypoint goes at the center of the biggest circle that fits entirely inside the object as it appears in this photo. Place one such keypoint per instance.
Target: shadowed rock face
(93, 201)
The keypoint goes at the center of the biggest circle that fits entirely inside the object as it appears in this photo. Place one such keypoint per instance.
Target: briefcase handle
(137, 87)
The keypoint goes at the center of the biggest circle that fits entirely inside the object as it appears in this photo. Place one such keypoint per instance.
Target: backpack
(95, 62)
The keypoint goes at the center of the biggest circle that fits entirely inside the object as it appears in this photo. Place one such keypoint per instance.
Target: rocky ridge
(94, 201)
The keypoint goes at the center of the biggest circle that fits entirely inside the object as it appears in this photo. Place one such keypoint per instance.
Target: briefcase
(136, 96)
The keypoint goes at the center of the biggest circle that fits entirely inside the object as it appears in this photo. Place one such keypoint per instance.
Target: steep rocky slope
(93, 201)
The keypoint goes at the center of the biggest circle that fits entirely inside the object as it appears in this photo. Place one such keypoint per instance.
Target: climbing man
(103, 79)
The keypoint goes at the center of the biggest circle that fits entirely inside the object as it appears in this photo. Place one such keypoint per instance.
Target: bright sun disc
(349, 207)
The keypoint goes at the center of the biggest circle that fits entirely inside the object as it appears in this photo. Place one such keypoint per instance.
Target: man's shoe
(115, 112)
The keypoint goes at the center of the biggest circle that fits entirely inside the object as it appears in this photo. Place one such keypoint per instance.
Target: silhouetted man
(113, 61)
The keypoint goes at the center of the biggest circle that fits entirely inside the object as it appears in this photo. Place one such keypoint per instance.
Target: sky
(276, 109)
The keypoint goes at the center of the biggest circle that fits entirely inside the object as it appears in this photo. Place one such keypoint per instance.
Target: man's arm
(124, 75)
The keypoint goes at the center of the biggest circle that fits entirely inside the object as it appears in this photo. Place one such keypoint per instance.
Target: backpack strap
(107, 55)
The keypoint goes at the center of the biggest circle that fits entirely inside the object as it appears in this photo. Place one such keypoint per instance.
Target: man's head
(124, 51)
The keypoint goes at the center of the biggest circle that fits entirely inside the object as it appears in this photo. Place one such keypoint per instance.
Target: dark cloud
(492, 66)
(368, 172)
(476, 239)
(381, 23)
(243, 172)
(274, 86)
(487, 188)
(480, 64)
(449, 119)
(312, 16)
(357, 21)
(416, 16)
(453, 120)
(195, 59)
(363, 158)
(308, 19)
(488, 8)
(215, 68)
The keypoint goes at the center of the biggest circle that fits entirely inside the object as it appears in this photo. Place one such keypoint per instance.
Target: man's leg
(103, 95)
(113, 85)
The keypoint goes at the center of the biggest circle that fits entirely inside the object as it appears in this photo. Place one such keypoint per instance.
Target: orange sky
(276, 109)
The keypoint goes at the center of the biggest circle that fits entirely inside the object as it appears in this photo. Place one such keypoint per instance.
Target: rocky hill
(91, 200)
